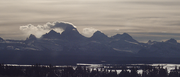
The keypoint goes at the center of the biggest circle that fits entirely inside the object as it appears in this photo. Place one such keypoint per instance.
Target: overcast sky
(144, 20)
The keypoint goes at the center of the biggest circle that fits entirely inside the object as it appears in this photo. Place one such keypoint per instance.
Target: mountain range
(71, 47)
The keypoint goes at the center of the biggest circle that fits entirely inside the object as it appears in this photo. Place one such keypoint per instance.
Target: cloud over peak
(88, 32)
(39, 30)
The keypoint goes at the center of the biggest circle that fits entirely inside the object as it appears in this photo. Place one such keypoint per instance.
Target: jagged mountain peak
(124, 36)
(150, 42)
(98, 35)
(172, 40)
(31, 37)
(52, 32)
(70, 27)
(1, 39)
(52, 35)
(71, 33)
(117, 36)
(98, 32)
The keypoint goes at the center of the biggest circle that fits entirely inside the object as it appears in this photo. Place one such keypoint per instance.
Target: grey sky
(144, 20)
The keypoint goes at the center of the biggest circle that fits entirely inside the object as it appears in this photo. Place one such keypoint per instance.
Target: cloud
(62, 25)
(155, 2)
(39, 30)
(88, 32)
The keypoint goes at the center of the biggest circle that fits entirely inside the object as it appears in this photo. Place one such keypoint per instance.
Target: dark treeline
(84, 71)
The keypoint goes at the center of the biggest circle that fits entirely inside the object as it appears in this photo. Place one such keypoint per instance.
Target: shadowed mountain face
(169, 48)
(124, 36)
(1, 39)
(71, 34)
(99, 36)
(52, 35)
(71, 47)
(171, 41)
(32, 37)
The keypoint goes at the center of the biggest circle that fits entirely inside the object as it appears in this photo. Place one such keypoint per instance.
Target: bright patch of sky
(157, 19)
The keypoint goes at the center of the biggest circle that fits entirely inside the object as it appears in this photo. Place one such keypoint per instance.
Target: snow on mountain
(49, 44)
(124, 42)
(124, 36)
(169, 48)
(123, 45)
(151, 42)
(71, 41)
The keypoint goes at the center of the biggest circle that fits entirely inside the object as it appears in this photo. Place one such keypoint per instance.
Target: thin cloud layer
(39, 30)
(126, 15)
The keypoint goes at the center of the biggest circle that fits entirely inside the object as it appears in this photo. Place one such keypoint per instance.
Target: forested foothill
(38, 70)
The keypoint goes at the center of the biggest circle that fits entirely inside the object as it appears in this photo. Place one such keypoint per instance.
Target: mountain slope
(99, 36)
(71, 34)
(71, 45)
(169, 48)
(124, 42)
(51, 35)
(124, 36)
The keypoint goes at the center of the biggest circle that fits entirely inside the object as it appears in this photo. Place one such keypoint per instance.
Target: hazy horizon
(156, 20)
